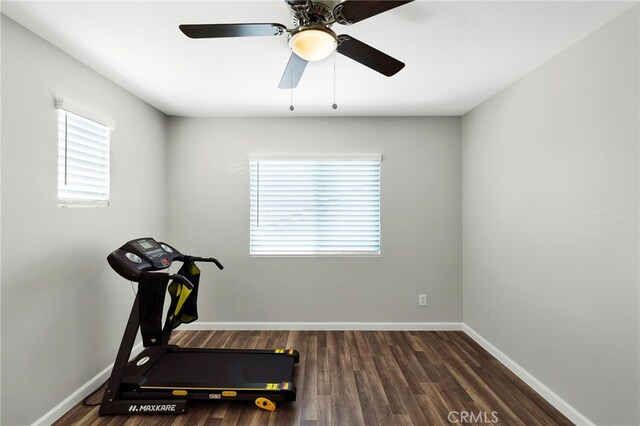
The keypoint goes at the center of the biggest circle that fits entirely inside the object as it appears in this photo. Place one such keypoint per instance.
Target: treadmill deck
(213, 370)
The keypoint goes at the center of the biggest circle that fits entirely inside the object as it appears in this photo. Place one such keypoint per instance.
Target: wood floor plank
(509, 384)
(415, 413)
(309, 391)
(484, 395)
(361, 343)
(296, 339)
(232, 415)
(376, 388)
(438, 400)
(391, 384)
(464, 353)
(362, 378)
(371, 413)
(311, 352)
(219, 339)
(409, 366)
(324, 410)
(412, 338)
(479, 350)
(429, 344)
(218, 410)
(527, 409)
(402, 420)
(324, 372)
(430, 408)
(431, 371)
(197, 415)
(346, 408)
(449, 381)
(351, 347)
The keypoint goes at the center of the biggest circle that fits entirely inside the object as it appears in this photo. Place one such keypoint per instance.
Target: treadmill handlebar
(181, 279)
(186, 258)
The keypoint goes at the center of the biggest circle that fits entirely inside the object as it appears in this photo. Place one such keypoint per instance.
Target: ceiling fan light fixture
(314, 43)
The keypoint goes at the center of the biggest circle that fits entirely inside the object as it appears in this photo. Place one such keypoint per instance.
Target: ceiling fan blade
(352, 11)
(368, 56)
(293, 72)
(231, 30)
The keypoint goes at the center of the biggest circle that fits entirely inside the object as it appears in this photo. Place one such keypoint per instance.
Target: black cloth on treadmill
(151, 290)
(187, 311)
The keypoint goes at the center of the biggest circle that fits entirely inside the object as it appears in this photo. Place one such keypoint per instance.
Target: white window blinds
(83, 161)
(315, 206)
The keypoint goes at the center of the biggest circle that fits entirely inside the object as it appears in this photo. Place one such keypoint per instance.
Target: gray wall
(550, 222)
(420, 208)
(63, 308)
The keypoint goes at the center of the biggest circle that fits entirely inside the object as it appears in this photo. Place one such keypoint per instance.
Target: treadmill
(163, 377)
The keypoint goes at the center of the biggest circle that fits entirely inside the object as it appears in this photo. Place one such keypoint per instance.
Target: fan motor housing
(320, 11)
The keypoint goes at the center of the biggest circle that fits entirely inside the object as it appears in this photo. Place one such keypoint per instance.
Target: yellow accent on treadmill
(266, 404)
(184, 293)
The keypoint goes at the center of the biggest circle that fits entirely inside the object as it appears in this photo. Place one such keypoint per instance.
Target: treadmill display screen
(145, 244)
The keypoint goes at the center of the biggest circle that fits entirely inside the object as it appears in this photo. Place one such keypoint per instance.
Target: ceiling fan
(312, 38)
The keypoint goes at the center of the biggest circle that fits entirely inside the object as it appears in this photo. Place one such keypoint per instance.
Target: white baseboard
(84, 391)
(361, 326)
(551, 397)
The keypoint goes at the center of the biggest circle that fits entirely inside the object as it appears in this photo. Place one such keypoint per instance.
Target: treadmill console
(142, 255)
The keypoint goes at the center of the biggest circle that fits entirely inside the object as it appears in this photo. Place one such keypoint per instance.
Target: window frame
(320, 157)
(66, 107)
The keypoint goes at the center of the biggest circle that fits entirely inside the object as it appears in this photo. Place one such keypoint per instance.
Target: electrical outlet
(422, 300)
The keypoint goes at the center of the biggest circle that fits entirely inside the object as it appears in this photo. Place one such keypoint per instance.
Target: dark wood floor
(365, 378)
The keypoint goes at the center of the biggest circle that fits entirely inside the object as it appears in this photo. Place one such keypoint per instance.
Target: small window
(312, 206)
(83, 161)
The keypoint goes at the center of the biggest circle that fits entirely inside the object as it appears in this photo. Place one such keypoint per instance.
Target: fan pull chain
(334, 106)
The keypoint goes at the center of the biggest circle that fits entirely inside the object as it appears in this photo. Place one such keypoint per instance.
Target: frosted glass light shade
(313, 44)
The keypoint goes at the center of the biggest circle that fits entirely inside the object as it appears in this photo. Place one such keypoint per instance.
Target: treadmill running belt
(219, 369)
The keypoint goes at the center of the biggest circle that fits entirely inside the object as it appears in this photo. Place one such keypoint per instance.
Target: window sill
(82, 203)
(301, 255)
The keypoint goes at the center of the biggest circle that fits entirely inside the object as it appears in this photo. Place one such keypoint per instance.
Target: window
(315, 206)
(83, 158)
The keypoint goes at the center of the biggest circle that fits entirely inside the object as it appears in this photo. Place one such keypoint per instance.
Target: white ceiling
(457, 53)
